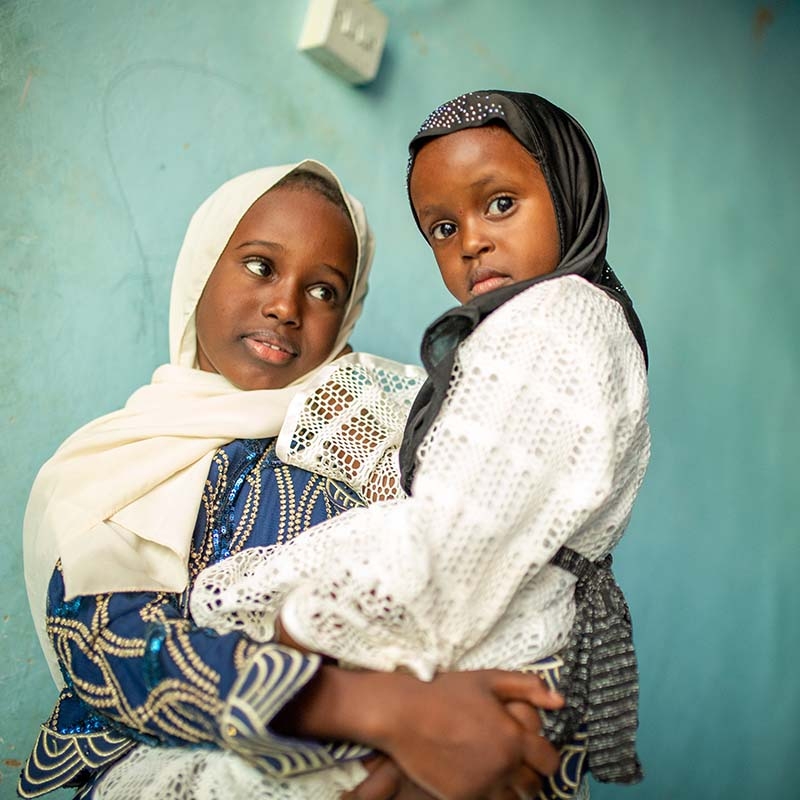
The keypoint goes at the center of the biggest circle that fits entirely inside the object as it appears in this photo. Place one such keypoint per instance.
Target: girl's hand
(453, 738)
(470, 735)
(386, 780)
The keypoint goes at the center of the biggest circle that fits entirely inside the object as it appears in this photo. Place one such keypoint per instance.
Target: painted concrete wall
(116, 119)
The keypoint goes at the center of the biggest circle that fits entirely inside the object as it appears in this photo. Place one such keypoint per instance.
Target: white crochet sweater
(542, 441)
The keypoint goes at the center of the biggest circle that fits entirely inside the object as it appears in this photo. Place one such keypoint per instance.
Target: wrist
(358, 706)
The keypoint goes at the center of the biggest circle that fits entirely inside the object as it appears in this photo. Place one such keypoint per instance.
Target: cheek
(203, 321)
(544, 250)
(231, 307)
(446, 266)
(549, 235)
(210, 314)
(455, 282)
(538, 245)
(221, 313)
(326, 333)
(554, 251)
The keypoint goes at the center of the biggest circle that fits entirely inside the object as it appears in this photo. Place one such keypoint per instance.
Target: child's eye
(259, 266)
(501, 205)
(443, 230)
(324, 293)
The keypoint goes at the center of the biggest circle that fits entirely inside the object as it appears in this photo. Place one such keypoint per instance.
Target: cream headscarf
(119, 499)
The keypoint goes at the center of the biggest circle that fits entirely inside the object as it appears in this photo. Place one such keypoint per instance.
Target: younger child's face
(275, 301)
(485, 208)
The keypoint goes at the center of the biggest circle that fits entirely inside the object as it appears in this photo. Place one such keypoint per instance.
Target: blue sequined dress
(137, 669)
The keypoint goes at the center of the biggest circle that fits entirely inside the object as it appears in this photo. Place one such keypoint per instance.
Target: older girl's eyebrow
(338, 271)
(260, 243)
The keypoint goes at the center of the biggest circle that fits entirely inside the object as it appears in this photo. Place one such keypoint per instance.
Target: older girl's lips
(269, 347)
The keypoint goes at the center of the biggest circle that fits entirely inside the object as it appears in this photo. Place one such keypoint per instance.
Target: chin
(257, 382)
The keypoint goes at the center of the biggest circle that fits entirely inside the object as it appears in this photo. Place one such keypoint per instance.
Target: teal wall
(116, 122)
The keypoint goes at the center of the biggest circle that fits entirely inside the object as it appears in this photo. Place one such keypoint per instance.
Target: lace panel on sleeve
(350, 424)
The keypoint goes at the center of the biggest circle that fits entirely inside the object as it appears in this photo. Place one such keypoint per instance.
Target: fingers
(410, 791)
(538, 752)
(525, 786)
(506, 793)
(525, 714)
(373, 761)
(381, 784)
(524, 686)
(539, 755)
(526, 783)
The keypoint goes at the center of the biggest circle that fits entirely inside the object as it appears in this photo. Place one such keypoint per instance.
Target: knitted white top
(542, 441)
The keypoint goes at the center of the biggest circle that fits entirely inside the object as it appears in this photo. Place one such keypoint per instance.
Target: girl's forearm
(451, 736)
(345, 704)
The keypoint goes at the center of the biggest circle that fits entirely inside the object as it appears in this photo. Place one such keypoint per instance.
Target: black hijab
(572, 171)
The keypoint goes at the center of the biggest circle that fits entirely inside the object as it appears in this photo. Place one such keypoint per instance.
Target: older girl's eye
(324, 293)
(501, 205)
(259, 266)
(443, 230)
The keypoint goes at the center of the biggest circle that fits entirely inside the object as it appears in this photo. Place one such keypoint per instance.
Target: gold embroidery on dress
(177, 705)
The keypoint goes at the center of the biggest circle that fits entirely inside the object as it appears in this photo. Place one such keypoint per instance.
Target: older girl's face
(484, 206)
(275, 301)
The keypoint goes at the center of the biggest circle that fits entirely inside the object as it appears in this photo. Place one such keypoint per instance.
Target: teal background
(117, 119)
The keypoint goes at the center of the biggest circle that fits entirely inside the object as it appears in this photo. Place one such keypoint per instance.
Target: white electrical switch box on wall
(346, 36)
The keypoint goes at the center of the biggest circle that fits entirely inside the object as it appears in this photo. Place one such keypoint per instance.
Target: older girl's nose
(282, 303)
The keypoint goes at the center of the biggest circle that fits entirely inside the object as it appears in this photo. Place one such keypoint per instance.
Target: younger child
(524, 452)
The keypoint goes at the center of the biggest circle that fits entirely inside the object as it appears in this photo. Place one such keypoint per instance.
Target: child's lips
(484, 280)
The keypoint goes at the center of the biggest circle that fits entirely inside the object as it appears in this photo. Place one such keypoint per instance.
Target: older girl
(268, 285)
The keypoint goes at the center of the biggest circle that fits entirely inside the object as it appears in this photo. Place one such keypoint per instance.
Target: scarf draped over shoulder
(117, 503)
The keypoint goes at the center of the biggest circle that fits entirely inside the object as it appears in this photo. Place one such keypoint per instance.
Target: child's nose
(475, 239)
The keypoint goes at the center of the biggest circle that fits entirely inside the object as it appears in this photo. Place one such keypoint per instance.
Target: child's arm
(542, 440)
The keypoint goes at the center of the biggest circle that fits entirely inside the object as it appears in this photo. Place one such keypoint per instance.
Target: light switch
(346, 36)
